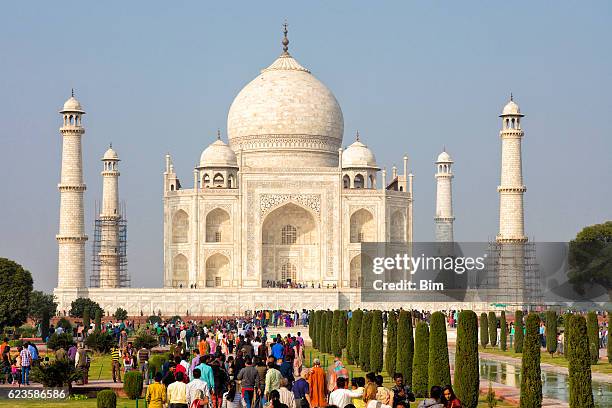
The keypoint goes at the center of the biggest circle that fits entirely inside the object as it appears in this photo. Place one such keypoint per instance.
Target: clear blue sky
(411, 76)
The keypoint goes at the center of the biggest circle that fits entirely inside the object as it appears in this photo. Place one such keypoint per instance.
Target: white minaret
(511, 188)
(71, 237)
(511, 237)
(109, 218)
(444, 198)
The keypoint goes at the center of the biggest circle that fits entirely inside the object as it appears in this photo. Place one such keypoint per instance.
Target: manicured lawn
(88, 403)
(101, 368)
(602, 367)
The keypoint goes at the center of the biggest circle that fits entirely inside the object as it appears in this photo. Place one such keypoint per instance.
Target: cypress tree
(551, 332)
(439, 367)
(484, 330)
(531, 376)
(467, 376)
(580, 387)
(364, 341)
(44, 325)
(335, 337)
(321, 331)
(310, 326)
(421, 360)
(593, 333)
(376, 342)
(391, 351)
(342, 330)
(518, 331)
(355, 335)
(349, 324)
(492, 320)
(98, 320)
(86, 320)
(405, 346)
(503, 333)
(328, 331)
(567, 321)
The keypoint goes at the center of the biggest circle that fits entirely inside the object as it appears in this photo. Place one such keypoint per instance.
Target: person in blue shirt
(206, 372)
(34, 352)
(277, 349)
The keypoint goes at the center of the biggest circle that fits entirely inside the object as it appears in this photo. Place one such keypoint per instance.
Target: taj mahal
(275, 214)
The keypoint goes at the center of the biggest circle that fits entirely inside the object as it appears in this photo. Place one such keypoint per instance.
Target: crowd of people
(15, 368)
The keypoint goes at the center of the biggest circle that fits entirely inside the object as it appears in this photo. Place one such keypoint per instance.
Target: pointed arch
(180, 227)
(362, 226)
(359, 181)
(358, 264)
(217, 270)
(398, 226)
(180, 270)
(218, 226)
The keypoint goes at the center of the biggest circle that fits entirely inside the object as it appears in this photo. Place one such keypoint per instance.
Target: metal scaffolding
(99, 245)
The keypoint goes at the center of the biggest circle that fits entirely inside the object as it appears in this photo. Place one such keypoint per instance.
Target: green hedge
(421, 360)
(132, 384)
(593, 334)
(484, 330)
(364, 341)
(531, 380)
(342, 331)
(503, 332)
(376, 342)
(439, 366)
(106, 399)
(355, 335)
(492, 321)
(580, 386)
(335, 334)
(405, 346)
(391, 351)
(328, 330)
(467, 376)
(551, 332)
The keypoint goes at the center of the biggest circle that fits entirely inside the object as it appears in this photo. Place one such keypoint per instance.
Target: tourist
(384, 395)
(82, 362)
(335, 371)
(358, 384)
(195, 361)
(451, 399)
(115, 362)
(6, 365)
(369, 397)
(61, 355)
(34, 353)
(177, 392)
(434, 400)
(273, 377)
(301, 390)
(207, 373)
(232, 398)
(72, 350)
(316, 382)
(220, 378)
(277, 349)
(286, 370)
(275, 401)
(401, 392)
(248, 378)
(341, 397)
(127, 361)
(286, 396)
(4, 344)
(197, 390)
(143, 363)
(156, 393)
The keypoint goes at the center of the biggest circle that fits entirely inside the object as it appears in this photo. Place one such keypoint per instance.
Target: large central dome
(286, 118)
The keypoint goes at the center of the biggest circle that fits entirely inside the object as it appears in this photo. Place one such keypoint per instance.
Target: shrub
(467, 376)
(334, 340)
(78, 306)
(27, 331)
(44, 325)
(106, 399)
(439, 366)
(15, 343)
(156, 362)
(355, 335)
(342, 331)
(593, 334)
(491, 400)
(132, 384)
(421, 359)
(154, 319)
(65, 324)
(551, 332)
(120, 314)
(145, 340)
(531, 380)
(484, 330)
(321, 331)
(364, 341)
(405, 346)
(99, 320)
(391, 351)
(311, 326)
(328, 330)
(57, 341)
(100, 342)
(86, 320)
(56, 373)
(503, 332)
(518, 331)
(376, 342)
(492, 320)
(580, 387)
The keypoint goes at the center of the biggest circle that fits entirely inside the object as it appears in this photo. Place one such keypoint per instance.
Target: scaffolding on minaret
(99, 245)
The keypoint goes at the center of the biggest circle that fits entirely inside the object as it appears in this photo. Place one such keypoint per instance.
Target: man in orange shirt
(3, 345)
(316, 382)
(203, 346)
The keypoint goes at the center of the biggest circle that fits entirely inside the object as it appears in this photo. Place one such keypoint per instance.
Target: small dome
(218, 154)
(358, 155)
(511, 108)
(110, 155)
(72, 105)
(444, 158)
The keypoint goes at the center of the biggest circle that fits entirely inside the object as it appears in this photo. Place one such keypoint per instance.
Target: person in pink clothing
(212, 344)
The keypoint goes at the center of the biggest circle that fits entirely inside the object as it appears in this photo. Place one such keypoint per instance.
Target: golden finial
(285, 39)
(358, 136)
(511, 97)
(72, 92)
(218, 134)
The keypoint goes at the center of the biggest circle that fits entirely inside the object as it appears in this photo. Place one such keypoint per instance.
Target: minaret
(444, 198)
(511, 238)
(109, 220)
(511, 188)
(71, 237)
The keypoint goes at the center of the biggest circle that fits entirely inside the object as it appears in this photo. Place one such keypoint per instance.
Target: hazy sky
(410, 76)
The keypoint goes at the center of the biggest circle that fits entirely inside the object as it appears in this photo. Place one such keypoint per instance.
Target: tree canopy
(80, 304)
(15, 291)
(39, 302)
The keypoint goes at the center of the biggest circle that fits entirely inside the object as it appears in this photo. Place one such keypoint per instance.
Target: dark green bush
(328, 331)
(551, 332)
(503, 332)
(132, 384)
(439, 366)
(44, 325)
(484, 330)
(334, 339)
(100, 342)
(405, 346)
(86, 320)
(27, 331)
(355, 335)
(492, 321)
(391, 351)
(365, 340)
(106, 399)
(376, 342)
(145, 340)
(175, 319)
(65, 324)
(321, 330)
(421, 360)
(56, 373)
(518, 331)
(342, 331)
(156, 362)
(580, 385)
(120, 314)
(98, 320)
(79, 305)
(531, 380)
(593, 334)
(64, 340)
(467, 375)
(154, 319)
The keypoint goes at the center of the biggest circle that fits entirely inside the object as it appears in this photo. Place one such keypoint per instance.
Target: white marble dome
(358, 155)
(110, 154)
(511, 108)
(444, 158)
(283, 111)
(218, 154)
(72, 105)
